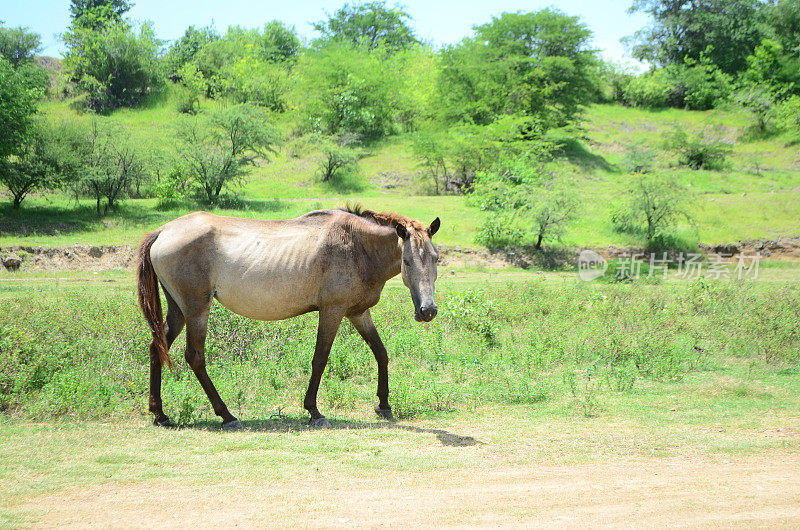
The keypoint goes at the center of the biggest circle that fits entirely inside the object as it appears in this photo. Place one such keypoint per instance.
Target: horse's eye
(407, 262)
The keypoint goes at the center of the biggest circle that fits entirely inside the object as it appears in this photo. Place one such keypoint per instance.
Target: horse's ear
(434, 227)
(402, 233)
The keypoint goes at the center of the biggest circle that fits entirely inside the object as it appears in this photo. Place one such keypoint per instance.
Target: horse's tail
(149, 299)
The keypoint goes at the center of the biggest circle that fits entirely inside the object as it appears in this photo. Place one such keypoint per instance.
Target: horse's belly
(268, 296)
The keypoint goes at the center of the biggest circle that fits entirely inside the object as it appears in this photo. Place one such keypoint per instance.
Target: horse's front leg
(329, 321)
(366, 328)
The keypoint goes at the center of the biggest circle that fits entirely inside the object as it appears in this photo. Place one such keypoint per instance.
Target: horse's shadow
(283, 424)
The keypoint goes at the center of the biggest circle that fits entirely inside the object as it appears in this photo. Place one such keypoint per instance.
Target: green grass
(518, 367)
(77, 348)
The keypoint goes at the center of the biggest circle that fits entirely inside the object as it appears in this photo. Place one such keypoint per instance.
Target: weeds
(81, 351)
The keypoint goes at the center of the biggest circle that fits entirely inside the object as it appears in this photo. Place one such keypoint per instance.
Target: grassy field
(534, 398)
(757, 196)
(520, 371)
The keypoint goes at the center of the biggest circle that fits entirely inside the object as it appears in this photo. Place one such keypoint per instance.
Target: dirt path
(685, 491)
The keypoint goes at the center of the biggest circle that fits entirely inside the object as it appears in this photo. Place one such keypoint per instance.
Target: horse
(335, 262)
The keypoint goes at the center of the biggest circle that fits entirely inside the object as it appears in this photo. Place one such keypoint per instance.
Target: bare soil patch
(120, 257)
(76, 257)
(685, 491)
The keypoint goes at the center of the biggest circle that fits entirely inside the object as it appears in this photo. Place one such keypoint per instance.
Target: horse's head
(418, 268)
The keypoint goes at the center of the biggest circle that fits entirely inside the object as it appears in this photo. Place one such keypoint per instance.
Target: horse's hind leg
(196, 357)
(329, 321)
(173, 326)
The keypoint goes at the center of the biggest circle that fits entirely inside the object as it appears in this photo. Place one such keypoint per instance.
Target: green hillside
(758, 196)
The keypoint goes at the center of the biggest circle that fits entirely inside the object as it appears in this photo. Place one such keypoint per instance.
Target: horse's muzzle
(425, 314)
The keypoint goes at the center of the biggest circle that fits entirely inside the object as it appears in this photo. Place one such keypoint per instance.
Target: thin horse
(332, 261)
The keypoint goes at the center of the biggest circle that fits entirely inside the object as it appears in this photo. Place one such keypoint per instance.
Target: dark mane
(383, 218)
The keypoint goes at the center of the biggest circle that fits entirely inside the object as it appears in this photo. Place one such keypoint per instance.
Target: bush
(114, 66)
(187, 100)
(788, 114)
(697, 150)
(652, 90)
(336, 157)
(701, 84)
(252, 81)
(638, 159)
(344, 89)
(653, 206)
(217, 147)
(526, 204)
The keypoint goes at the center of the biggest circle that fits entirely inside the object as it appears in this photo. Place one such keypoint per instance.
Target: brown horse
(332, 261)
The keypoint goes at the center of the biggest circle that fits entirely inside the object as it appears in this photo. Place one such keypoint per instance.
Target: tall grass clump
(81, 351)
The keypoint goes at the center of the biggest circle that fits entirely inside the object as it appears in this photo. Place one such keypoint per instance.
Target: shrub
(638, 159)
(788, 114)
(187, 100)
(654, 205)
(527, 203)
(336, 157)
(697, 150)
(114, 66)
(652, 90)
(759, 102)
(216, 147)
(701, 84)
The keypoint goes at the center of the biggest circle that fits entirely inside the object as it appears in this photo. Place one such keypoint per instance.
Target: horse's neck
(385, 251)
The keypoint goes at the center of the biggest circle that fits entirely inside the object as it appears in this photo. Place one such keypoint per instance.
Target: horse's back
(262, 269)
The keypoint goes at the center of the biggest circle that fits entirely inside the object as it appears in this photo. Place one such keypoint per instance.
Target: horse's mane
(383, 218)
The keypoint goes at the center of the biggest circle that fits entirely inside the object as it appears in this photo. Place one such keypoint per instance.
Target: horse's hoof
(164, 422)
(384, 413)
(319, 423)
(232, 425)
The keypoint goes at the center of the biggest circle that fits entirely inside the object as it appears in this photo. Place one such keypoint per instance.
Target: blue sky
(440, 22)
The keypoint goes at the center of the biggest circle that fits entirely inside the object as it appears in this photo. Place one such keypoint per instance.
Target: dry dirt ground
(692, 491)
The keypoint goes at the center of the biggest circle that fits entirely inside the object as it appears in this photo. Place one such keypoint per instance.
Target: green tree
(772, 69)
(526, 203)
(343, 89)
(17, 107)
(19, 45)
(113, 164)
(697, 150)
(279, 42)
(726, 30)
(217, 147)
(783, 18)
(654, 204)
(534, 64)
(97, 14)
(371, 24)
(337, 155)
(53, 155)
(188, 46)
(115, 66)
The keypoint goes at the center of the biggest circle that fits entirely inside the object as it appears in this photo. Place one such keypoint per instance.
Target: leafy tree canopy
(727, 31)
(17, 107)
(188, 46)
(116, 66)
(535, 64)
(371, 24)
(96, 14)
(19, 45)
(784, 20)
(279, 42)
